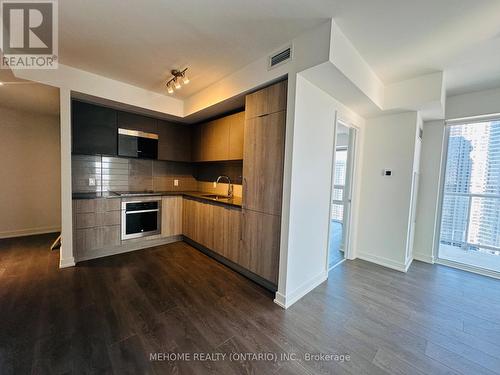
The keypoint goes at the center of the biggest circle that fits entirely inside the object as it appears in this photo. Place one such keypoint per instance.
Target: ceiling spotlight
(179, 76)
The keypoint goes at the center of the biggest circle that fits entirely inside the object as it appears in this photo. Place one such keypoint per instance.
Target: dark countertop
(235, 201)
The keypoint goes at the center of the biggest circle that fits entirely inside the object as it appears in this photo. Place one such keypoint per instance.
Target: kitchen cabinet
(220, 139)
(132, 121)
(236, 136)
(268, 100)
(174, 143)
(261, 244)
(263, 159)
(198, 222)
(263, 163)
(94, 129)
(96, 223)
(227, 232)
(216, 227)
(171, 216)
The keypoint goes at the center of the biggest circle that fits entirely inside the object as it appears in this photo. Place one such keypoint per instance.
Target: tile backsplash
(209, 171)
(117, 174)
(122, 174)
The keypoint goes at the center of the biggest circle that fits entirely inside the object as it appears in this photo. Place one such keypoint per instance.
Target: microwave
(137, 144)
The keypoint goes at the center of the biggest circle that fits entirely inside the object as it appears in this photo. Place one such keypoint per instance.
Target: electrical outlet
(176, 182)
(91, 181)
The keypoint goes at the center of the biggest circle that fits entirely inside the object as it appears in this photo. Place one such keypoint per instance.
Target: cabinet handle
(241, 225)
(244, 191)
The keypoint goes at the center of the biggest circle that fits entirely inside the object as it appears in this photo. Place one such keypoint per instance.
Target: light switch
(91, 181)
(176, 182)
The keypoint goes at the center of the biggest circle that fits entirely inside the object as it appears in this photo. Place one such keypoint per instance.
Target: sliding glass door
(470, 216)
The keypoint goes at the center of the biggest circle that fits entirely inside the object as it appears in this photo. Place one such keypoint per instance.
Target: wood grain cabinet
(267, 100)
(220, 139)
(263, 163)
(198, 222)
(263, 158)
(227, 232)
(236, 135)
(261, 244)
(171, 216)
(96, 223)
(175, 141)
(215, 226)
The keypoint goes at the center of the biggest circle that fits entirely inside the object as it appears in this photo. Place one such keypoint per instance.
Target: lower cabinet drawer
(97, 238)
(97, 219)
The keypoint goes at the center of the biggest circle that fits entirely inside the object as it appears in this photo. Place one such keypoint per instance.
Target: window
(470, 219)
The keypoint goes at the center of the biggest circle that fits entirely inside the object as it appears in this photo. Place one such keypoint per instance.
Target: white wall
(310, 190)
(313, 145)
(66, 258)
(384, 207)
(30, 173)
(67, 77)
(473, 104)
(430, 174)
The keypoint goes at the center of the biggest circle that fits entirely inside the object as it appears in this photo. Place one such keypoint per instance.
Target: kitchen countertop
(235, 201)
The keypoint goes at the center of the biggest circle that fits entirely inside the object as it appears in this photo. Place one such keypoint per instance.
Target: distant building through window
(470, 219)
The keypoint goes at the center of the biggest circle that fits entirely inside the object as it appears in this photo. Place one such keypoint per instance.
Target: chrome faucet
(230, 186)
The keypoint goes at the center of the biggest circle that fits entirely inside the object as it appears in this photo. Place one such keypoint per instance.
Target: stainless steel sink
(216, 197)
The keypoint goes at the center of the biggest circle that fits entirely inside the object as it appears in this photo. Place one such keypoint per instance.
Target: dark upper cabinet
(94, 129)
(132, 121)
(175, 141)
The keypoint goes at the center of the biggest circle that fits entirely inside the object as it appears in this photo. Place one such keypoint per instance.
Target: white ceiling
(140, 41)
(402, 39)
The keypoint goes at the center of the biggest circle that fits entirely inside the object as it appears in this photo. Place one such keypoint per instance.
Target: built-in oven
(137, 144)
(141, 218)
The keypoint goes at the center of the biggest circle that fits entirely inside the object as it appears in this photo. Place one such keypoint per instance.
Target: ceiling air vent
(282, 57)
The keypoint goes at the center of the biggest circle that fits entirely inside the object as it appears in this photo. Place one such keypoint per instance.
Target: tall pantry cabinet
(263, 158)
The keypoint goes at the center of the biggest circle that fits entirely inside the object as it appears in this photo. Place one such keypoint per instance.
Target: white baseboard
(464, 267)
(423, 258)
(386, 262)
(285, 301)
(29, 232)
(68, 262)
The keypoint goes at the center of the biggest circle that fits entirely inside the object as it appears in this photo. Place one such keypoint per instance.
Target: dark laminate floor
(107, 315)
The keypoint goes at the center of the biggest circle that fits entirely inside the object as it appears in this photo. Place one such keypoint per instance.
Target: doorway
(470, 203)
(341, 197)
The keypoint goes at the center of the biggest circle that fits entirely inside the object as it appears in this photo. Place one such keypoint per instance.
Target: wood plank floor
(108, 315)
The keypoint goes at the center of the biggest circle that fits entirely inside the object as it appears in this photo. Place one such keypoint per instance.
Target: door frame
(352, 163)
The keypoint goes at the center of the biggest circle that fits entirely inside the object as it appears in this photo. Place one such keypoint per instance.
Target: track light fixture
(179, 76)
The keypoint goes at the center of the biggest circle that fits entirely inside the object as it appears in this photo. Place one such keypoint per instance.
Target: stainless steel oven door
(141, 219)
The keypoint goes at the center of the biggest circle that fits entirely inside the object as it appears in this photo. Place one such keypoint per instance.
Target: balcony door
(470, 207)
